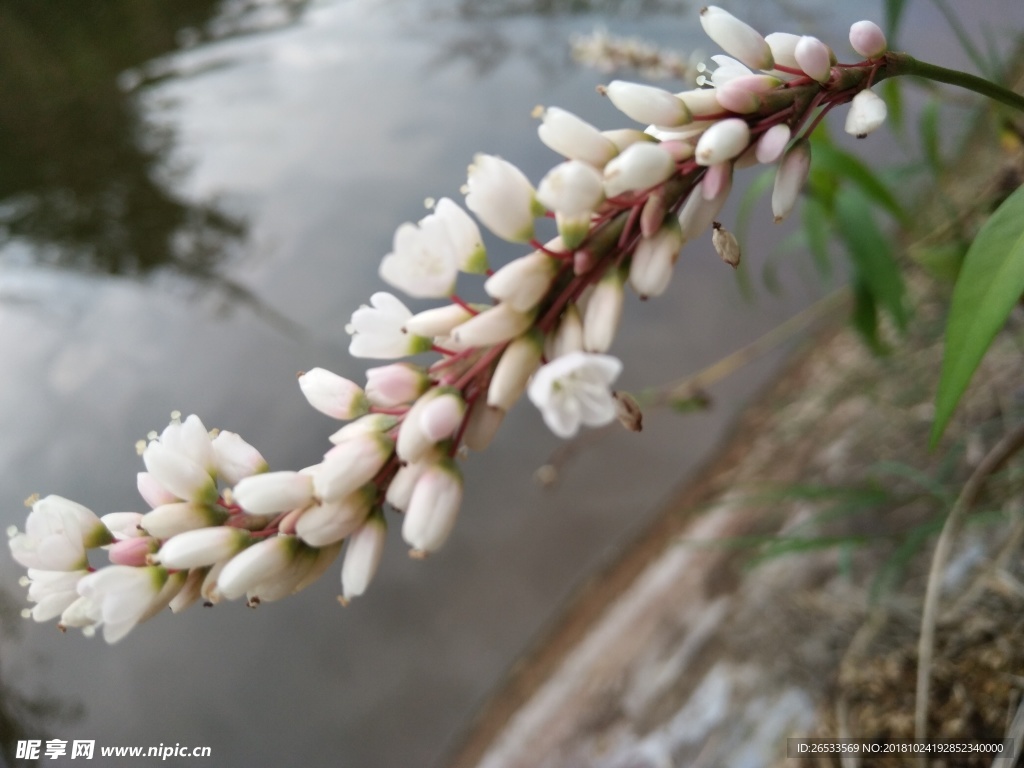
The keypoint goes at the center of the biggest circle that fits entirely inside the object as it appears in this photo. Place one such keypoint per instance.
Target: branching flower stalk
(624, 203)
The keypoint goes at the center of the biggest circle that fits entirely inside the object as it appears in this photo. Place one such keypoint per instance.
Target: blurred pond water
(194, 196)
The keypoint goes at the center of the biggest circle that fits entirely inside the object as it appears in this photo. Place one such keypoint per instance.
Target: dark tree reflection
(83, 180)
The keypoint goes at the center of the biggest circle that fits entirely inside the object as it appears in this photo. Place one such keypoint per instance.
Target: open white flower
(422, 262)
(378, 330)
(57, 533)
(122, 596)
(502, 198)
(575, 389)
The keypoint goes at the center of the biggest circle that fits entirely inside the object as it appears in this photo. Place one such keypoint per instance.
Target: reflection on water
(25, 716)
(85, 182)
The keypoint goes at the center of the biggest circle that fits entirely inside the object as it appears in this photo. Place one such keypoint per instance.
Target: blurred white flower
(378, 330)
(575, 390)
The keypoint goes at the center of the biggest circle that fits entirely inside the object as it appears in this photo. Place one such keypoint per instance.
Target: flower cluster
(624, 202)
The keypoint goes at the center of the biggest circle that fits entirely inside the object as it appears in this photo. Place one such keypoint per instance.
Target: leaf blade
(990, 283)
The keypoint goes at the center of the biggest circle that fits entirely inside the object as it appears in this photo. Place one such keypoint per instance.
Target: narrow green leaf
(839, 164)
(816, 230)
(892, 92)
(990, 284)
(928, 126)
(871, 254)
(865, 317)
(893, 16)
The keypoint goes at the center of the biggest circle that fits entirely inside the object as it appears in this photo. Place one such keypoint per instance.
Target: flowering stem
(901, 64)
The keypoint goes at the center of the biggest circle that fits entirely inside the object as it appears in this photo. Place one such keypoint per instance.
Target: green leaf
(816, 222)
(893, 15)
(942, 262)
(929, 128)
(892, 92)
(990, 284)
(871, 253)
(838, 164)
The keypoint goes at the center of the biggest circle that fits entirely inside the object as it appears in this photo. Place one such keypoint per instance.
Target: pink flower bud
(396, 384)
(442, 416)
(868, 39)
(152, 491)
(717, 179)
(698, 212)
(814, 58)
(132, 551)
(772, 143)
(790, 178)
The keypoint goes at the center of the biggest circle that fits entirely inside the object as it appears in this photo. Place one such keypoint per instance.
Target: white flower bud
(493, 326)
(647, 104)
(201, 547)
(814, 58)
(169, 520)
(727, 69)
(191, 439)
(790, 178)
(701, 102)
(484, 422)
(396, 384)
(726, 245)
(331, 522)
(152, 491)
(400, 488)
(273, 492)
(502, 198)
(370, 424)
(571, 188)
(438, 321)
(464, 235)
(716, 179)
(433, 507)
(574, 138)
(772, 143)
(350, 465)
(867, 39)
(568, 335)
(442, 416)
(179, 474)
(362, 557)
(125, 525)
(698, 212)
(723, 141)
(522, 283)
(783, 47)
(235, 458)
(651, 267)
(603, 312)
(742, 94)
(867, 112)
(625, 137)
(190, 592)
(518, 362)
(736, 37)
(257, 564)
(640, 166)
(333, 395)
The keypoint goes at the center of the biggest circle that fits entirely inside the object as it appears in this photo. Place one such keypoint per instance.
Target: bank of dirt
(780, 594)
